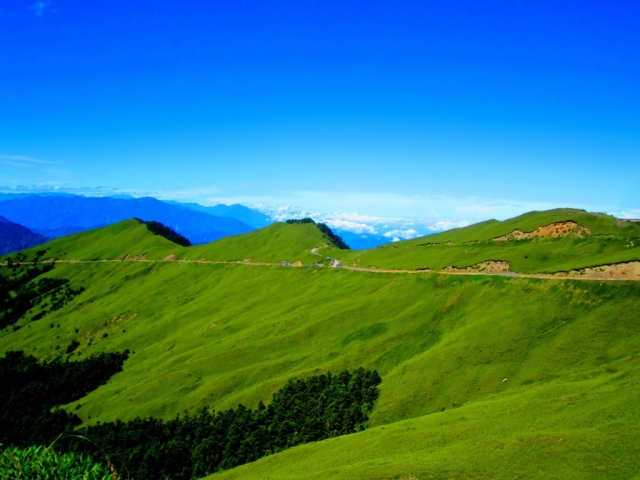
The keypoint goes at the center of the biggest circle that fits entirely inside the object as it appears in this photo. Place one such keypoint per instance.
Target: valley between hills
(503, 349)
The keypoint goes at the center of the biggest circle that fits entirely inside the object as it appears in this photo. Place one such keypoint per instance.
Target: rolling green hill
(132, 240)
(276, 243)
(597, 240)
(482, 376)
(599, 223)
(128, 238)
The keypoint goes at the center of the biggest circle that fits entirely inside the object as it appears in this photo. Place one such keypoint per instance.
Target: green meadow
(612, 241)
(482, 376)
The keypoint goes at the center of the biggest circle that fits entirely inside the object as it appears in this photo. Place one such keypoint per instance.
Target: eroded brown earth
(555, 230)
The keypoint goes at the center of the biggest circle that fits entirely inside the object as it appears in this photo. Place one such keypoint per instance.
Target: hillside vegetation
(130, 239)
(482, 376)
(597, 239)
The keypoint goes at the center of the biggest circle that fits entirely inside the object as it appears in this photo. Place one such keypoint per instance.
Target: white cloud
(631, 213)
(24, 161)
(355, 227)
(54, 186)
(388, 204)
(391, 215)
(402, 234)
(38, 7)
(443, 225)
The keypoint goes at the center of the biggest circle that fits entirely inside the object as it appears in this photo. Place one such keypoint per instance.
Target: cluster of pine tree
(31, 389)
(161, 229)
(192, 446)
(21, 290)
(188, 446)
(324, 228)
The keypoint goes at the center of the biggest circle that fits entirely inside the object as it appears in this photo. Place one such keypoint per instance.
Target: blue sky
(416, 115)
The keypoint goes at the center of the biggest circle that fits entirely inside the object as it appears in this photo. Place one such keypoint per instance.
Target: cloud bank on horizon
(389, 216)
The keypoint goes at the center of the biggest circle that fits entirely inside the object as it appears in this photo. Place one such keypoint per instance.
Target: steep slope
(56, 212)
(130, 239)
(280, 242)
(557, 431)
(483, 376)
(14, 237)
(222, 334)
(537, 242)
(126, 239)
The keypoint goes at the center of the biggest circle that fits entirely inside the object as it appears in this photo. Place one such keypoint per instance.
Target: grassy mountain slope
(599, 223)
(483, 377)
(275, 243)
(222, 334)
(127, 238)
(558, 431)
(611, 241)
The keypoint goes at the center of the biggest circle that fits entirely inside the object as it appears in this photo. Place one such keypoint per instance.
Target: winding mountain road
(336, 264)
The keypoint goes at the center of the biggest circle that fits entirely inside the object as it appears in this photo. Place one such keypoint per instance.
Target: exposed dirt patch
(297, 264)
(138, 257)
(450, 242)
(102, 330)
(618, 271)
(490, 266)
(170, 257)
(555, 230)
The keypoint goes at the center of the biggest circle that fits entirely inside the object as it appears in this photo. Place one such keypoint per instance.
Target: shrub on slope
(324, 228)
(158, 228)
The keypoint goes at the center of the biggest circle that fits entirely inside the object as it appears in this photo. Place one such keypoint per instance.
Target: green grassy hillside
(483, 377)
(585, 429)
(275, 243)
(611, 241)
(130, 239)
(599, 223)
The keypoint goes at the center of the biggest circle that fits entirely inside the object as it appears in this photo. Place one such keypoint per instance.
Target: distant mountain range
(55, 215)
(14, 237)
(251, 217)
(59, 215)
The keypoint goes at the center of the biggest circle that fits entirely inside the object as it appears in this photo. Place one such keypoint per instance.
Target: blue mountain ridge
(246, 215)
(14, 237)
(68, 213)
(55, 215)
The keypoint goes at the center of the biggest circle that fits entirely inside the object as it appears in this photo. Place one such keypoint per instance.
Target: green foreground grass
(43, 463)
(222, 334)
(483, 377)
(586, 429)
